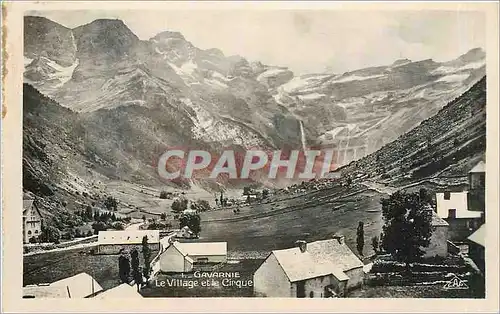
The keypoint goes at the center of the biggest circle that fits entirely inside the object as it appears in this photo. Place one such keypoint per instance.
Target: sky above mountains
(307, 41)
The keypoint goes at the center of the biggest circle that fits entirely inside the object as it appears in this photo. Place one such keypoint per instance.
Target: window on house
(452, 213)
(311, 294)
(447, 195)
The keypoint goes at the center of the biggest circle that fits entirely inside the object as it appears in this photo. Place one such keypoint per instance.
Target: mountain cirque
(165, 92)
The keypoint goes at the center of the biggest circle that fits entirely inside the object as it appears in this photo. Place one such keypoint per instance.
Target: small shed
(185, 257)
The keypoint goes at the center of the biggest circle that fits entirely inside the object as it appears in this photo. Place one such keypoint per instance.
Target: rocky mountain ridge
(165, 92)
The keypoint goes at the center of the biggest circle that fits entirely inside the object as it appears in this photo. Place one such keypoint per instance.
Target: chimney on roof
(339, 237)
(302, 245)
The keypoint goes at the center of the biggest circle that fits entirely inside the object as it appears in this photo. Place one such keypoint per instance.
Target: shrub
(179, 205)
(201, 205)
(159, 226)
(99, 226)
(163, 195)
(78, 233)
(50, 234)
(111, 203)
(118, 226)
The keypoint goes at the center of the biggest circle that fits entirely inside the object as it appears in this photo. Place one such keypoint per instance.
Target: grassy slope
(259, 229)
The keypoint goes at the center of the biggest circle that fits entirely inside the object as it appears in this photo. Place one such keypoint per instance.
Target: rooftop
(128, 236)
(123, 291)
(79, 286)
(479, 236)
(45, 291)
(201, 248)
(301, 266)
(320, 258)
(479, 167)
(438, 221)
(27, 204)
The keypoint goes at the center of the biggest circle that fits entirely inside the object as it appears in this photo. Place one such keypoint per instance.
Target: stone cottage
(321, 269)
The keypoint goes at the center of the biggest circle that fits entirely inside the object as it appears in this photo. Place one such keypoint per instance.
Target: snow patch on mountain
(356, 78)
(189, 67)
(450, 69)
(220, 76)
(202, 120)
(186, 70)
(52, 70)
(27, 61)
(216, 83)
(211, 128)
(269, 73)
(63, 74)
(453, 78)
(311, 96)
(302, 82)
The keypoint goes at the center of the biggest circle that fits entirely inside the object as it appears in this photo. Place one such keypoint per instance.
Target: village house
(185, 233)
(438, 245)
(477, 183)
(111, 242)
(477, 176)
(185, 257)
(32, 220)
(321, 269)
(81, 285)
(452, 207)
(464, 210)
(190, 211)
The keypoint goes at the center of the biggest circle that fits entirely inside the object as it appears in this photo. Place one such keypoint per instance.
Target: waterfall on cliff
(302, 135)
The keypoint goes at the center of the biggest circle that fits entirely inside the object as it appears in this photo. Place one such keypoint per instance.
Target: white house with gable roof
(320, 269)
(185, 257)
